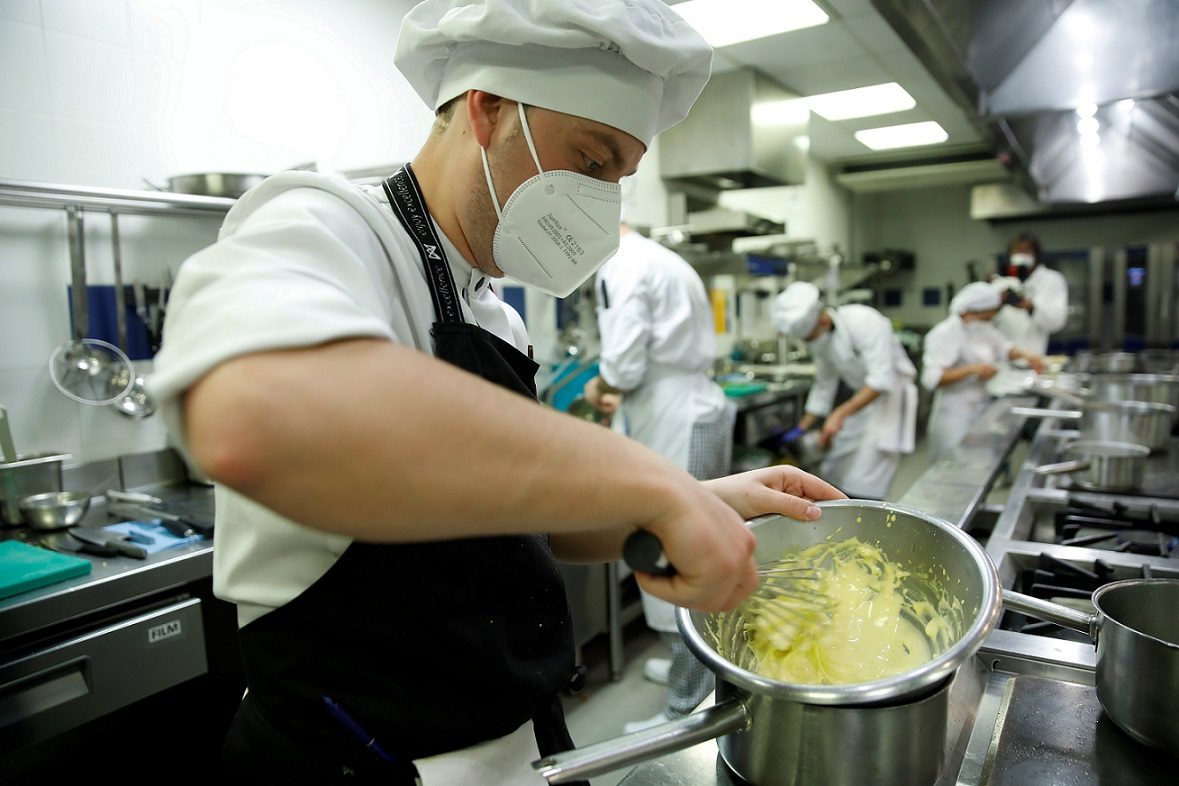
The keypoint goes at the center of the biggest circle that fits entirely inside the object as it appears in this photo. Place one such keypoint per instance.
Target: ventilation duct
(1081, 95)
(745, 131)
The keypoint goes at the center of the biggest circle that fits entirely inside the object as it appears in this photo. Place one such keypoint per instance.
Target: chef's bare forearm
(957, 374)
(860, 399)
(380, 442)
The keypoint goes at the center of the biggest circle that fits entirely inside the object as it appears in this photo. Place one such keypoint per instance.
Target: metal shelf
(21, 193)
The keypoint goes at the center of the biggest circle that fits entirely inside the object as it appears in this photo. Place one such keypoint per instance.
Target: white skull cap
(634, 65)
(976, 296)
(796, 310)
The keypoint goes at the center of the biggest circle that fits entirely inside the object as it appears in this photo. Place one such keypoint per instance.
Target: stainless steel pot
(1102, 466)
(1136, 422)
(214, 184)
(1156, 388)
(1103, 362)
(1136, 630)
(890, 732)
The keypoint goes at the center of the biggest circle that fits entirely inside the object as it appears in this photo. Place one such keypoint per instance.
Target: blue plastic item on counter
(160, 537)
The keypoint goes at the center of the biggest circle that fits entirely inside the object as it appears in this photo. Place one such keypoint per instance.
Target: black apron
(416, 649)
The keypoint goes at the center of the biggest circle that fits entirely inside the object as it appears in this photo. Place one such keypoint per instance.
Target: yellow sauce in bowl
(856, 618)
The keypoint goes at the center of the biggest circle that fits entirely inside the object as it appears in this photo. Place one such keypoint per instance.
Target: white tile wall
(111, 93)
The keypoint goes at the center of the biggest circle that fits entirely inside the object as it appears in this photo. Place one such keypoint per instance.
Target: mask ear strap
(490, 185)
(528, 137)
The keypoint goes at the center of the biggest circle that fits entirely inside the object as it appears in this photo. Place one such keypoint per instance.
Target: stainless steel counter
(112, 581)
(78, 650)
(954, 488)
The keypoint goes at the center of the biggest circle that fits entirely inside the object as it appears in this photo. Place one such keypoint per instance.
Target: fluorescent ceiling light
(724, 22)
(908, 135)
(862, 102)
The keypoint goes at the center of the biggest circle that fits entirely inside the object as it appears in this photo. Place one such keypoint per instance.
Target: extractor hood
(745, 131)
(1081, 97)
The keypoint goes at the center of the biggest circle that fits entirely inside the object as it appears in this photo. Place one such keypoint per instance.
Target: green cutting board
(24, 567)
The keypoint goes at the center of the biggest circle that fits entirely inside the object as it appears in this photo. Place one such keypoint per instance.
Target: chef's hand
(831, 426)
(1037, 363)
(710, 547)
(788, 491)
(604, 402)
(985, 371)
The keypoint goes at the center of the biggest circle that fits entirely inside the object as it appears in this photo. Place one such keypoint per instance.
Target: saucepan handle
(1062, 467)
(647, 744)
(1051, 612)
(1034, 412)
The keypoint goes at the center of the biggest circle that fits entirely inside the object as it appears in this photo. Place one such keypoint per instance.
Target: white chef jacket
(864, 351)
(301, 260)
(1048, 291)
(949, 344)
(658, 343)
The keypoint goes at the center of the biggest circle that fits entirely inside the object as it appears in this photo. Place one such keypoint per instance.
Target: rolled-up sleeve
(941, 349)
(290, 275)
(625, 328)
(876, 349)
(1050, 312)
(822, 396)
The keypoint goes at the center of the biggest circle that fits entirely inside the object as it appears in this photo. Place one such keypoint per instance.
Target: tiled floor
(599, 710)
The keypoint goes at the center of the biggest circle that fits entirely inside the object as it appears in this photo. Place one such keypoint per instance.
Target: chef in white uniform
(391, 499)
(961, 353)
(867, 434)
(658, 347)
(1040, 308)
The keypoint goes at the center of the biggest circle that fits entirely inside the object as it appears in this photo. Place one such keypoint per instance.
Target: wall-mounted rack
(21, 193)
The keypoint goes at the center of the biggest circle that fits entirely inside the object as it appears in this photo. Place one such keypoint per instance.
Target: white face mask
(1022, 260)
(557, 228)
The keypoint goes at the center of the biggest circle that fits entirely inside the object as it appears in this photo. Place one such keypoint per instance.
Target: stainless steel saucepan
(1102, 466)
(1136, 630)
(1137, 422)
(890, 732)
(1156, 388)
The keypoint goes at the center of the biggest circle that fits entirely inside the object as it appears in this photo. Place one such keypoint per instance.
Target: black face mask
(1020, 271)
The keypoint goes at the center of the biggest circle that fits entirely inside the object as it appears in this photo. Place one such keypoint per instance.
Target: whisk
(788, 592)
(787, 589)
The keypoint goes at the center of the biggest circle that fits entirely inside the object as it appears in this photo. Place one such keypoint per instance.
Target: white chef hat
(796, 310)
(976, 296)
(635, 65)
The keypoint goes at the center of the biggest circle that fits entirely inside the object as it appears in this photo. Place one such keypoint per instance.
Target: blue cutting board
(24, 567)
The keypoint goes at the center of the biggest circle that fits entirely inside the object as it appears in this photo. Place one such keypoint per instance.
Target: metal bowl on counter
(55, 509)
(891, 731)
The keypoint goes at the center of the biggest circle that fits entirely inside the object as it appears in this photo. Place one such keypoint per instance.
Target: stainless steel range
(1024, 710)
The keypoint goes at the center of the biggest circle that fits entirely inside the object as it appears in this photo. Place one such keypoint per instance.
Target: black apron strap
(405, 197)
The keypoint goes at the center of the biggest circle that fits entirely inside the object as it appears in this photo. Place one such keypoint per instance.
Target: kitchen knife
(105, 544)
(180, 526)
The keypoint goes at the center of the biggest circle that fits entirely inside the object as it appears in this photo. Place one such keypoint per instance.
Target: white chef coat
(1048, 291)
(864, 351)
(949, 344)
(304, 259)
(658, 343)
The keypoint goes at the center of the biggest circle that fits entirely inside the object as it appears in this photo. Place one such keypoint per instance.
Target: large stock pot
(888, 732)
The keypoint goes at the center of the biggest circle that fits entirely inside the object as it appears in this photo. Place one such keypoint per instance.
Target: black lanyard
(405, 197)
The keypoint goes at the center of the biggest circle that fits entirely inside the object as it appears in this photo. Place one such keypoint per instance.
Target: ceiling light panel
(725, 22)
(861, 102)
(907, 135)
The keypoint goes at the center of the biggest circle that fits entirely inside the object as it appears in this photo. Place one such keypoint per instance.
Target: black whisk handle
(644, 552)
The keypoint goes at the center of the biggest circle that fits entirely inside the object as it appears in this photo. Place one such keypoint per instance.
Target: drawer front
(94, 672)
